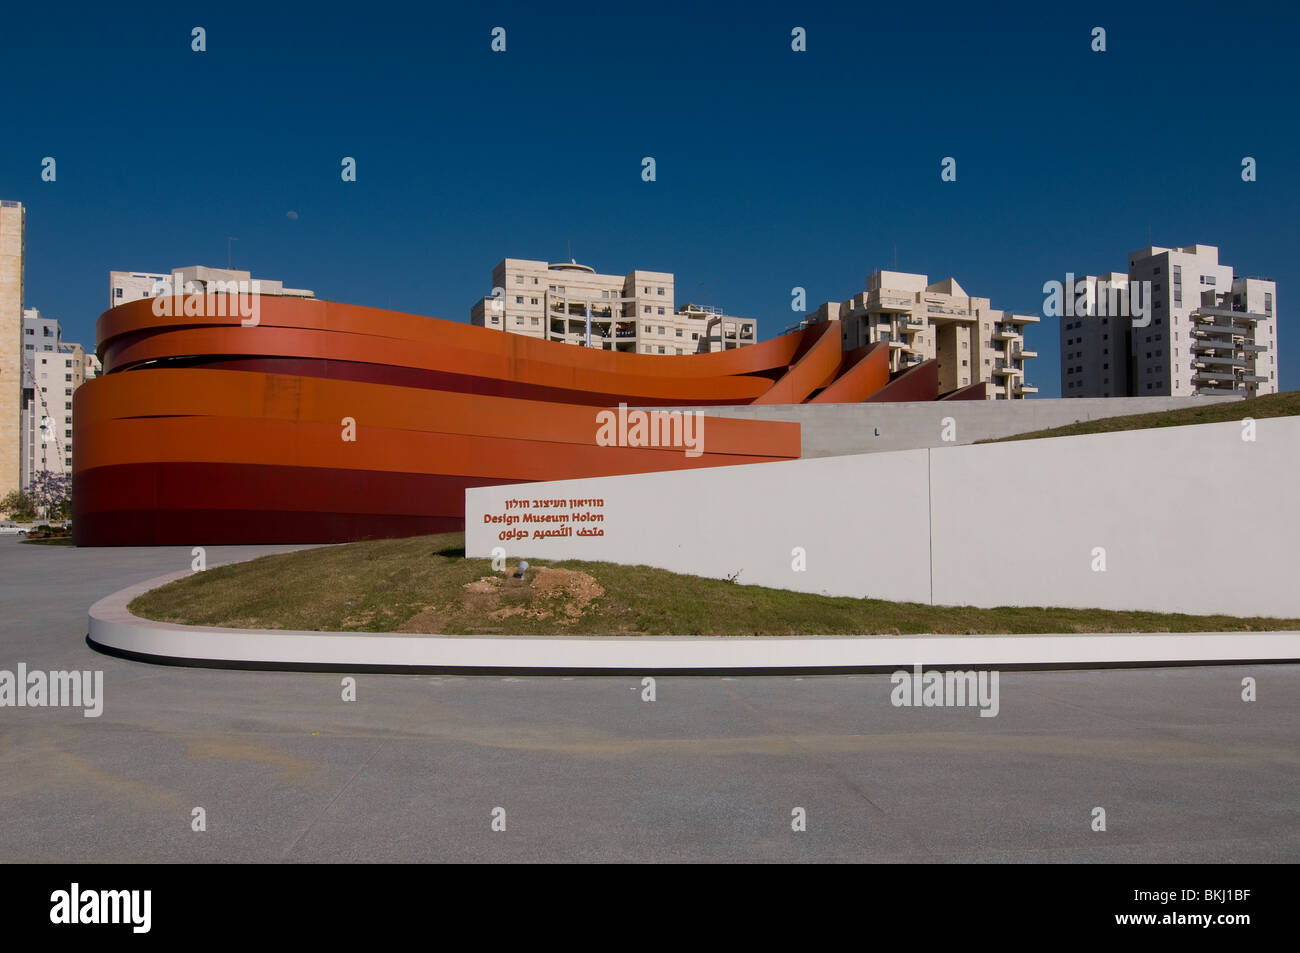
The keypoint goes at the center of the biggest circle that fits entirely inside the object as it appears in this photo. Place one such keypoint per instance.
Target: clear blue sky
(775, 168)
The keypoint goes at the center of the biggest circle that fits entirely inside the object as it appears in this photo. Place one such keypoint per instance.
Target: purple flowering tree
(52, 494)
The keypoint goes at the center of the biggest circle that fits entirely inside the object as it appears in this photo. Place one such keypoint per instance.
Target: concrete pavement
(585, 770)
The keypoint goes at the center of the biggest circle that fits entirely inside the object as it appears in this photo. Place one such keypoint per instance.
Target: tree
(52, 493)
(18, 505)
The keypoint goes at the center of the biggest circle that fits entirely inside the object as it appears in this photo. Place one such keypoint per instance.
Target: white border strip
(113, 627)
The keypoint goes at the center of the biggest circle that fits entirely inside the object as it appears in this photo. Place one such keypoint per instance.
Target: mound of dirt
(561, 595)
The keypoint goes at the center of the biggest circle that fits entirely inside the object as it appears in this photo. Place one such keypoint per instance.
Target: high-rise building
(633, 312)
(970, 340)
(52, 370)
(124, 286)
(12, 252)
(1200, 330)
(1096, 338)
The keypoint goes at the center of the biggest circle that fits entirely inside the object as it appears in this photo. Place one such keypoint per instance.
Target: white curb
(115, 629)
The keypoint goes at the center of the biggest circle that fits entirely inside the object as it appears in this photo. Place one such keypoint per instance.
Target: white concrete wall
(1192, 519)
(834, 429)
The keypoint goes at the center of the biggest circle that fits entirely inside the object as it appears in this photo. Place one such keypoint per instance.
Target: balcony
(1218, 360)
(1218, 391)
(1213, 378)
(1232, 313)
(1023, 388)
(1005, 332)
(1020, 354)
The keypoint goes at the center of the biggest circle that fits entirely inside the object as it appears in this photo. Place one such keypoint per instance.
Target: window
(646, 310)
(495, 319)
(661, 349)
(519, 279)
(660, 291)
(661, 310)
(532, 300)
(679, 332)
(661, 329)
(117, 293)
(519, 299)
(532, 320)
(645, 329)
(519, 320)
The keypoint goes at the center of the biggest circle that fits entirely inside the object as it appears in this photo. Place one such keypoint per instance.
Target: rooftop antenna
(229, 239)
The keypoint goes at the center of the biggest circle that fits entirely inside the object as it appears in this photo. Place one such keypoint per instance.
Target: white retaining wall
(829, 430)
(1191, 519)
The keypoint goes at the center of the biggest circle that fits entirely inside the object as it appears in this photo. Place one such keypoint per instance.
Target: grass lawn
(51, 541)
(1270, 405)
(424, 584)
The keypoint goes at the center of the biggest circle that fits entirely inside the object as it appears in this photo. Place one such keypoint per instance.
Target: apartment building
(635, 313)
(1205, 331)
(13, 224)
(1096, 338)
(124, 286)
(969, 339)
(52, 371)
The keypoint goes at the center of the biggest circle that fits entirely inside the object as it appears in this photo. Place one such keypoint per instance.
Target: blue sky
(775, 168)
